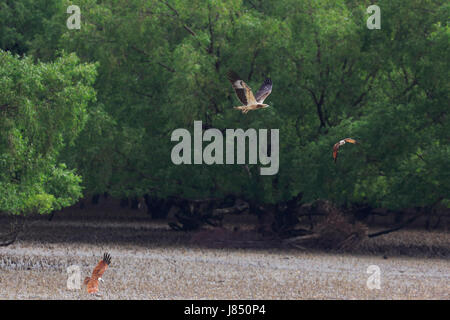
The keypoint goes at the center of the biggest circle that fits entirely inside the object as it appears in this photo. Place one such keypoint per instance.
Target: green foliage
(43, 107)
(162, 64)
(21, 21)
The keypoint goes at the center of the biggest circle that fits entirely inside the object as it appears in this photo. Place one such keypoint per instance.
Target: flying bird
(245, 94)
(92, 281)
(339, 144)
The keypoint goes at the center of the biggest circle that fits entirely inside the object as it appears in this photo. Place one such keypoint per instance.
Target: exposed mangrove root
(15, 227)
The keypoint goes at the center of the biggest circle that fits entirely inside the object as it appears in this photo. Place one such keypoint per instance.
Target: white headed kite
(245, 94)
(339, 144)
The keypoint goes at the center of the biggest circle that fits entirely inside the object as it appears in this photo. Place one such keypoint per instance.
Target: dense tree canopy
(43, 108)
(162, 65)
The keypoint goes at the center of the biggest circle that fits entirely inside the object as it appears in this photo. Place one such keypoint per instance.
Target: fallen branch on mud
(400, 226)
(410, 220)
(239, 207)
(335, 231)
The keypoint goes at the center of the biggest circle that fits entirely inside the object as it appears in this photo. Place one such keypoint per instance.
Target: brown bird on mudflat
(92, 281)
(339, 144)
(245, 94)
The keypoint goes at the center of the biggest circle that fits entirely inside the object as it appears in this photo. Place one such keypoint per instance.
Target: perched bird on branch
(245, 94)
(92, 281)
(339, 144)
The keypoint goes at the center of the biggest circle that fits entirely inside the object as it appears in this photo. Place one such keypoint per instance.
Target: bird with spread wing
(92, 281)
(245, 94)
(339, 144)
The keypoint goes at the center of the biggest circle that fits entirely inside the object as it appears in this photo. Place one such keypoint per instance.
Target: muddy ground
(150, 261)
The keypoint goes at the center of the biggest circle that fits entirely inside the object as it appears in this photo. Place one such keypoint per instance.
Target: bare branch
(400, 226)
(168, 5)
(157, 62)
(166, 67)
(189, 30)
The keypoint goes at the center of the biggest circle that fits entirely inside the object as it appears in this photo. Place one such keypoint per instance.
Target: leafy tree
(43, 108)
(162, 64)
(22, 21)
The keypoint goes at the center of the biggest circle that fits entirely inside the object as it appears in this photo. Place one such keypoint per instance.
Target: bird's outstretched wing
(101, 267)
(350, 140)
(335, 151)
(339, 144)
(264, 91)
(243, 91)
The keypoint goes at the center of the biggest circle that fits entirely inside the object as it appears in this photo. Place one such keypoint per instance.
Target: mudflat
(150, 261)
